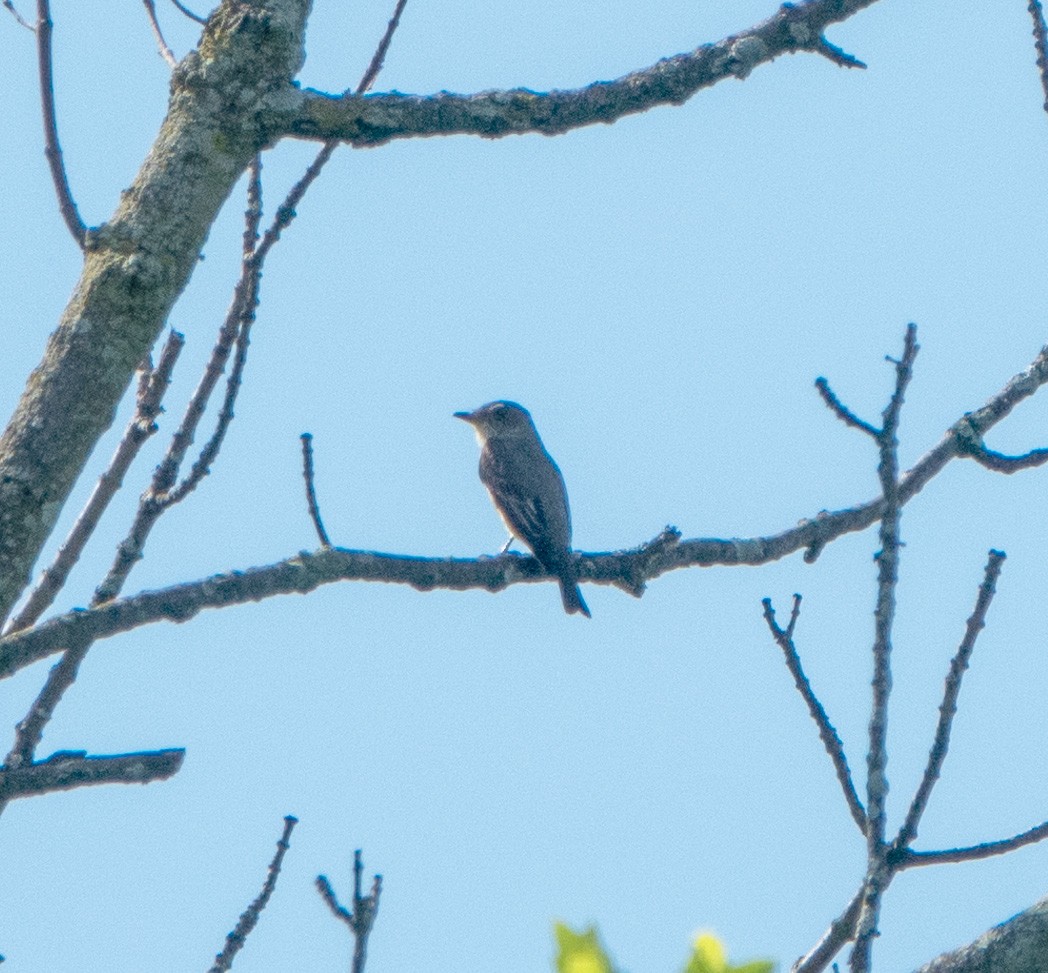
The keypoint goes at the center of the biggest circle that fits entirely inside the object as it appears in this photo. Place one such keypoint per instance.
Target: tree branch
(831, 740)
(64, 771)
(250, 916)
(377, 119)
(52, 146)
(136, 266)
(948, 707)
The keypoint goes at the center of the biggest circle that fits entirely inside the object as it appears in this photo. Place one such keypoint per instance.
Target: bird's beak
(464, 416)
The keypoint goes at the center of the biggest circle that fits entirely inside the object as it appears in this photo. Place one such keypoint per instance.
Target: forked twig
(365, 909)
(831, 741)
(9, 4)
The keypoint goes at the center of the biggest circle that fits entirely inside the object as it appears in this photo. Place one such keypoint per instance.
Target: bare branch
(286, 211)
(165, 51)
(1001, 463)
(1040, 36)
(311, 493)
(365, 909)
(831, 741)
(249, 918)
(837, 55)
(66, 770)
(235, 329)
(948, 706)
(142, 425)
(162, 492)
(30, 729)
(879, 873)
(378, 119)
(182, 8)
(9, 4)
(841, 932)
(380, 52)
(253, 213)
(970, 853)
(1015, 946)
(841, 411)
(52, 147)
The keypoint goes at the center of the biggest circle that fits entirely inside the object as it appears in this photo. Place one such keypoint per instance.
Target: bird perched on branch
(528, 490)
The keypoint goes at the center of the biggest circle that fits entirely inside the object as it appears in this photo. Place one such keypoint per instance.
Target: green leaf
(580, 952)
(709, 956)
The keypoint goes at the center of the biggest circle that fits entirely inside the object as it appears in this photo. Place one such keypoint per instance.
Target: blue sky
(661, 294)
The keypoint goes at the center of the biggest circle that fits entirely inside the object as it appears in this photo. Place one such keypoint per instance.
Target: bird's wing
(516, 486)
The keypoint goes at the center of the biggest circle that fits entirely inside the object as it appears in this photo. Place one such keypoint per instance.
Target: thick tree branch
(136, 266)
(381, 118)
(1016, 946)
(64, 771)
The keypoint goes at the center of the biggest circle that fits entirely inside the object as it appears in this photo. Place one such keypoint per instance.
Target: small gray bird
(527, 490)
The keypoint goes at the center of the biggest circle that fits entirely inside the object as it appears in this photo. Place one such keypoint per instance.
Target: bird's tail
(572, 597)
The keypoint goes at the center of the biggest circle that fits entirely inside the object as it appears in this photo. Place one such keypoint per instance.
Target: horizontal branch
(970, 853)
(629, 570)
(380, 118)
(65, 770)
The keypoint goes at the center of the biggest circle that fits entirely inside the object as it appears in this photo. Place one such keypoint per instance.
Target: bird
(527, 490)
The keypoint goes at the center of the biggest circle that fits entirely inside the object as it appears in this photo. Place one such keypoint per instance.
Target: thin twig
(151, 391)
(9, 4)
(841, 411)
(365, 909)
(162, 492)
(311, 493)
(253, 213)
(837, 55)
(202, 465)
(879, 873)
(30, 729)
(52, 147)
(236, 328)
(1040, 35)
(182, 8)
(840, 932)
(912, 859)
(250, 916)
(165, 52)
(380, 52)
(1002, 463)
(948, 706)
(831, 741)
(286, 212)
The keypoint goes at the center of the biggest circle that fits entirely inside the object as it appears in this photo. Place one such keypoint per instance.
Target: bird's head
(501, 419)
